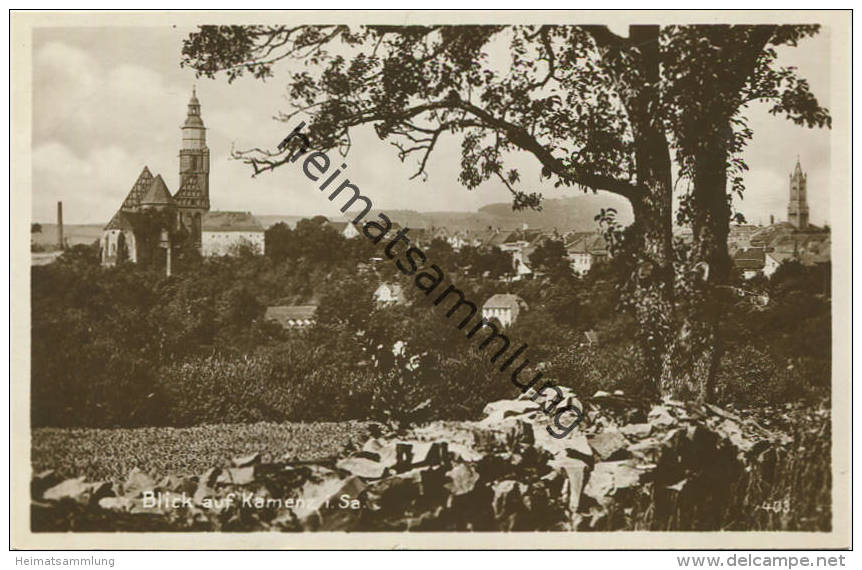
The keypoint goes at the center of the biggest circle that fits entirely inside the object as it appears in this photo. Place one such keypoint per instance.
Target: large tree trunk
(692, 359)
(653, 278)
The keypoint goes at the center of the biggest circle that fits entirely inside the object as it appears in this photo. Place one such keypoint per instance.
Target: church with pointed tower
(151, 220)
(797, 206)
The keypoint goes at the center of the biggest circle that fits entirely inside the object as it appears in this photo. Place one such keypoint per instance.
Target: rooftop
(230, 222)
(290, 315)
(504, 301)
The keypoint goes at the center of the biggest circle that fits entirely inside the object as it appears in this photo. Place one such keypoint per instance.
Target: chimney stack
(60, 242)
(771, 220)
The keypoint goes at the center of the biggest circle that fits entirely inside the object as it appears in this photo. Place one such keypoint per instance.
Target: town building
(346, 229)
(750, 261)
(227, 233)
(291, 316)
(388, 294)
(773, 261)
(505, 307)
(585, 251)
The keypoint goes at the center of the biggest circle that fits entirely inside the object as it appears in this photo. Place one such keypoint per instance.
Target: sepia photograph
(431, 279)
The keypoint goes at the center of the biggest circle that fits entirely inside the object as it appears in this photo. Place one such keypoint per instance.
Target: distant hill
(572, 213)
(267, 220)
(576, 213)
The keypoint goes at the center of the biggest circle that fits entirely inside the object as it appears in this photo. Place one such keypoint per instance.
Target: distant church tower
(193, 197)
(797, 207)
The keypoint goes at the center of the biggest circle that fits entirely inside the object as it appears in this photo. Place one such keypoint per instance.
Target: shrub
(218, 389)
(750, 376)
(610, 367)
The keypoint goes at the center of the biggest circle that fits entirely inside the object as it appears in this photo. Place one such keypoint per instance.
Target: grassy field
(112, 453)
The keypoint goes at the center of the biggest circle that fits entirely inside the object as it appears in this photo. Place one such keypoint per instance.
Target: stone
(575, 474)
(209, 476)
(520, 433)
(78, 490)
(464, 452)
(731, 431)
(68, 489)
(608, 444)
(203, 492)
(396, 493)
(42, 481)
(462, 479)
(648, 449)
(625, 474)
(321, 507)
(138, 483)
(382, 452)
(723, 413)
(404, 456)
(503, 409)
(177, 484)
(609, 477)
(660, 416)
(578, 446)
(600, 483)
(438, 454)
(362, 467)
(574, 445)
(120, 504)
(206, 483)
(237, 476)
(601, 394)
(246, 460)
(509, 503)
(636, 431)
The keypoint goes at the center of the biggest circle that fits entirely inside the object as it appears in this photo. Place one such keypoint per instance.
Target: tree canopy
(595, 109)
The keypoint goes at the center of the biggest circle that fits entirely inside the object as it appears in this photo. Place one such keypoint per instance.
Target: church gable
(119, 222)
(157, 194)
(142, 184)
(191, 195)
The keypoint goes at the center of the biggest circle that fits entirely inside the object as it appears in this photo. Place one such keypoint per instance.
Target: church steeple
(797, 206)
(193, 197)
(193, 118)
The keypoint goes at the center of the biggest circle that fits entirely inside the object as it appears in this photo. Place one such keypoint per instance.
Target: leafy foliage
(126, 346)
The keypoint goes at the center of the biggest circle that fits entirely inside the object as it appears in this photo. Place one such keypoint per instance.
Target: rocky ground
(630, 465)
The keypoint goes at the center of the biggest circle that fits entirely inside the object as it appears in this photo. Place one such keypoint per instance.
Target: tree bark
(691, 363)
(653, 278)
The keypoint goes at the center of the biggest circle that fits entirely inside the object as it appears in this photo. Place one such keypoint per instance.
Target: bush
(751, 377)
(609, 367)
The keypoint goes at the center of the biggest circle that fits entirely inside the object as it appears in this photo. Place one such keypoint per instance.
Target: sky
(109, 101)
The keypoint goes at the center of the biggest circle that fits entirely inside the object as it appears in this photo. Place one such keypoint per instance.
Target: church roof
(798, 170)
(190, 195)
(230, 222)
(157, 194)
(133, 199)
(193, 118)
(120, 221)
